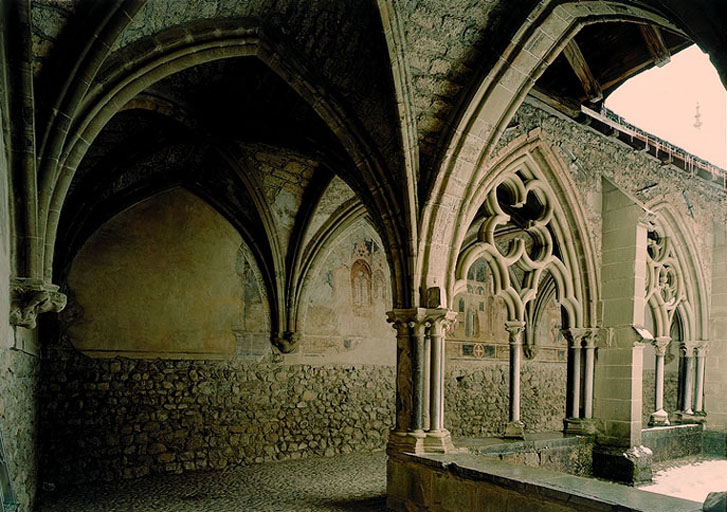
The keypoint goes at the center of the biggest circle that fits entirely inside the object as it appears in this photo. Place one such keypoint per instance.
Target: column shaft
(699, 391)
(418, 389)
(436, 388)
(576, 382)
(659, 383)
(427, 382)
(688, 383)
(515, 361)
(588, 384)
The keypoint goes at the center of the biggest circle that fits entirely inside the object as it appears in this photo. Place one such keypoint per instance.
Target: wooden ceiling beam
(655, 43)
(583, 71)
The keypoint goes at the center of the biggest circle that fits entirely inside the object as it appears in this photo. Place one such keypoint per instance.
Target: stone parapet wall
(477, 398)
(18, 421)
(125, 418)
(667, 443)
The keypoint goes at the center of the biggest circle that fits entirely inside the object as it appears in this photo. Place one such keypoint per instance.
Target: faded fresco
(480, 329)
(347, 298)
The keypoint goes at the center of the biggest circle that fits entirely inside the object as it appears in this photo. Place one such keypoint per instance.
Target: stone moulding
(31, 297)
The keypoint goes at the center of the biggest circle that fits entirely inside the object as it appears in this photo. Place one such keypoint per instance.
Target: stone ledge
(469, 482)
(673, 441)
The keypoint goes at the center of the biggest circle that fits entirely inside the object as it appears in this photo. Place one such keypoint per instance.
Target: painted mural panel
(480, 329)
(347, 297)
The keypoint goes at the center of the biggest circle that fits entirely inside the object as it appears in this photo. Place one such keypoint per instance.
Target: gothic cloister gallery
(238, 232)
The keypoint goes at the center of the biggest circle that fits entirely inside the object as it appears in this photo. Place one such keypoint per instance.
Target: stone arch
(315, 253)
(243, 38)
(529, 165)
(463, 159)
(688, 270)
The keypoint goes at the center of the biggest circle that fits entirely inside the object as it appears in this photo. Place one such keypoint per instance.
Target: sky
(663, 101)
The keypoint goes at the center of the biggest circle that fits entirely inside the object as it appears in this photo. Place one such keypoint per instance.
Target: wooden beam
(655, 44)
(583, 71)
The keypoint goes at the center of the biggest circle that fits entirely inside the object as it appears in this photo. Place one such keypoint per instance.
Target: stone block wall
(477, 398)
(18, 421)
(105, 419)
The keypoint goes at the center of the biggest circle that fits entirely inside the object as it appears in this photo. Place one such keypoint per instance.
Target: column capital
(515, 329)
(702, 348)
(660, 344)
(591, 337)
(687, 347)
(404, 319)
(442, 320)
(574, 335)
(30, 297)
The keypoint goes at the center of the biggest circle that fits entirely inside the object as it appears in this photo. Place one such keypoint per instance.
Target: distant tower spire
(697, 120)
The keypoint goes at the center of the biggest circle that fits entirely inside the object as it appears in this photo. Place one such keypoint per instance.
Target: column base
(689, 417)
(579, 426)
(438, 442)
(405, 442)
(631, 466)
(659, 418)
(515, 430)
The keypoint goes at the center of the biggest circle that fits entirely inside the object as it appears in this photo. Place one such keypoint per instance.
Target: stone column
(515, 428)
(687, 348)
(699, 391)
(574, 337)
(590, 339)
(408, 434)
(440, 321)
(659, 416)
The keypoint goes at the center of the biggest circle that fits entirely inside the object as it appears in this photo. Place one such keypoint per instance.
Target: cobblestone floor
(354, 482)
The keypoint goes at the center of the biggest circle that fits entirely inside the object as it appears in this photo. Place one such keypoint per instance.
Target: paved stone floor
(354, 482)
(689, 478)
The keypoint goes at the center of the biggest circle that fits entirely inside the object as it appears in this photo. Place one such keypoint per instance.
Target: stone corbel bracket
(288, 342)
(31, 297)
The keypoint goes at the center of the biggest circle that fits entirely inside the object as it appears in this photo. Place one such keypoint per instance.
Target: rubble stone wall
(477, 398)
(18, 421)
(106, 419)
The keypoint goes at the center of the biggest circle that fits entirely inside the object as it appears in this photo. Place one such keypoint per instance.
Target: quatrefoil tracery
(521, 210)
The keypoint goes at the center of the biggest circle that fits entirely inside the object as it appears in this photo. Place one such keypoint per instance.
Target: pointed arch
(693, 308)
(196, 45)
(462, 164)
(538, 169)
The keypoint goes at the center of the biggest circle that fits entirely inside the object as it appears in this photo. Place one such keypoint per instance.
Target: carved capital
(591, 337)
(660, 344)
(31, 297)
(687, 347)
(417, 320)
(703, 348)
(515, 331)
(442, 320)
(574, 336)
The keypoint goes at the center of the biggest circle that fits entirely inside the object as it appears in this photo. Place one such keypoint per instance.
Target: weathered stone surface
(476, 398)
(165, 416)
(715, 502)
(19, 421)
